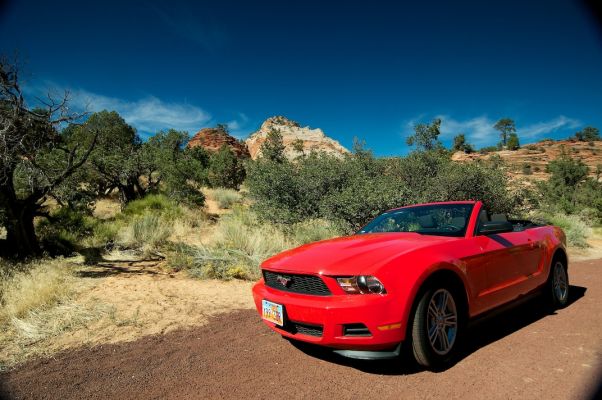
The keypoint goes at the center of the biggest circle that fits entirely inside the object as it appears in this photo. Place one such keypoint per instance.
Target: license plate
(272, 312)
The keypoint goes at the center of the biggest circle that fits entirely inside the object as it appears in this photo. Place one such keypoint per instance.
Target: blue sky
(367, 69)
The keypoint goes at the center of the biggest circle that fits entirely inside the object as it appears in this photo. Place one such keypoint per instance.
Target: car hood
(350, 255)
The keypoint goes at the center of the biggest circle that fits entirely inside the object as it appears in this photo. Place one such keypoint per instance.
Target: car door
(488, 263)
(503, 264)
(495, 265)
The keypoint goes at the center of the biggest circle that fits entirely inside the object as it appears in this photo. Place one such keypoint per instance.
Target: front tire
(557, 287)
(436, 327)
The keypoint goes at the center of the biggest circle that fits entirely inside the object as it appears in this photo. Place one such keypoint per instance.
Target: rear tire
(436, 327)
(557, 287)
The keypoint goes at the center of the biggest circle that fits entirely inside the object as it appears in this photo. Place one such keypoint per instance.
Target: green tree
(426, 136)
(506, 127)
(566, 176)
(176, 170)
(460, 144)
(117, 162)
(273, 147)
(35, 159)
(223, 127)
(225, 169)
(298, 146)
(513, 142)
(588, 134)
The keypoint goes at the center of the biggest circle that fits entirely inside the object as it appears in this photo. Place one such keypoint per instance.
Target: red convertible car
(413, 275)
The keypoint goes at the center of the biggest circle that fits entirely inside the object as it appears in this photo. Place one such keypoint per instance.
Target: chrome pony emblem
(283, 280)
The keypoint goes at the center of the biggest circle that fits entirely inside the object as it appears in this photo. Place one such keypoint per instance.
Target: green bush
(61, 233)
(575, 229)
(569, 189)
(488, 149)
(156, 203)
(513, 142)
(354, 189)
(225, 169)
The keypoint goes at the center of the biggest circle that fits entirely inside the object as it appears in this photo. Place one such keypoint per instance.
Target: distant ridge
(292, 132)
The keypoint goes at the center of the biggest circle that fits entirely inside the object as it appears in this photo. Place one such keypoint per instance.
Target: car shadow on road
(480, 333)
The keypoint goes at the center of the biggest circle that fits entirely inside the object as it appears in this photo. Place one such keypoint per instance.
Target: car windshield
(436, 219)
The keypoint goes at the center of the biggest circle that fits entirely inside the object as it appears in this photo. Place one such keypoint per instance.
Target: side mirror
(495, 227)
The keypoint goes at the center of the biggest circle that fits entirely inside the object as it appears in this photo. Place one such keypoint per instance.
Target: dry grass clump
(226, 198)
(36, 302)
(241, 242)
(33, 287)
(314, 230)
(147, 233)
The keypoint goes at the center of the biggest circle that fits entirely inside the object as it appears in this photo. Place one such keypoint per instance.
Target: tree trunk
(21, 240)
(128, 193)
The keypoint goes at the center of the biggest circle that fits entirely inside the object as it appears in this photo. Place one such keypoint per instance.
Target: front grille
(311, 330)
(295, 283)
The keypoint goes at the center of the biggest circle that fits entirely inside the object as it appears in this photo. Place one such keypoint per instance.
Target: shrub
(240, 244)
(575, 229)
(225, 169)
(569, 189)
(488, 149)
(64, 229)
(226, 198)
(460, 144)
(588, 134)
(356, 188)
(181, 258)
(513, 142)
(154, 202)
(314, 230)
(526, 169)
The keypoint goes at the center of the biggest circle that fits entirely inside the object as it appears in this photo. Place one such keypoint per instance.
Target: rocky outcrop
(296, 139)
(212, 139)
(530, 161)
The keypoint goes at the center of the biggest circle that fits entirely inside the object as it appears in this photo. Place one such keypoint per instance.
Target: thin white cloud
(546, 127)
(479, 130)
(148, 114)
(239, 127)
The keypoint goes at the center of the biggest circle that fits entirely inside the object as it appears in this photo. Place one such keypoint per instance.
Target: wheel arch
(447, 275)
(560, 253)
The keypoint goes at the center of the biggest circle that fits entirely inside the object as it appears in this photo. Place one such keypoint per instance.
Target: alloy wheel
(442, 321)
(560, 282)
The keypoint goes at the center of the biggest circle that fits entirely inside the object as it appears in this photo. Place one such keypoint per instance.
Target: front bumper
(381, 314)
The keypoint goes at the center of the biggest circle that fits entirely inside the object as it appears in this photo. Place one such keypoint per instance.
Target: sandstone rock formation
(537, 156)
(292, 136)
(212, 139)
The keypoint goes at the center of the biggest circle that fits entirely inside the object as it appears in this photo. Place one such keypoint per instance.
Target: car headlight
(362, 284)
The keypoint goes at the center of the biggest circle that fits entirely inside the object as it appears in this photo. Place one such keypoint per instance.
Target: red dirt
(522, 353)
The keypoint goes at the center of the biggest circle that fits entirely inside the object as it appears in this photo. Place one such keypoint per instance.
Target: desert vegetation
(57, 167)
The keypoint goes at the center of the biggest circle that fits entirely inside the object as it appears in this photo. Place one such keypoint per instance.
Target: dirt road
(522, 353)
